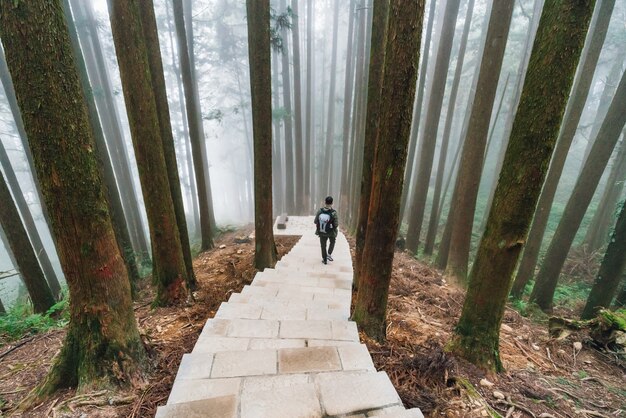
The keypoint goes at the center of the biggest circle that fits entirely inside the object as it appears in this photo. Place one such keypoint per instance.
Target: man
(326, 222)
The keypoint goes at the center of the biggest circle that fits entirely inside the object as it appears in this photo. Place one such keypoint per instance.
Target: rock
(242, 239)
(486, 383)
(506, 328)
(222, 246)
(578, 346)
(535, 347)
(239, 251)
(401, 243)
(498, 395)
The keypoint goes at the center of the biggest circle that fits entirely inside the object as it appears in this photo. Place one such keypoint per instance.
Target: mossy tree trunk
(195, 133)
(102, 346)
(556, 50)
(608, 135)
(27, 264)
(576, 104)
(611, 269)
(169, 271)
(474, 145)
(372, 125)
(20, 201)
(151, 37)
(399, 78)
(433, 113)
(258, 12)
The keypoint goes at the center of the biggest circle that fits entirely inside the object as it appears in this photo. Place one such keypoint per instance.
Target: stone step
(281, 329)
(233, 310)
(287, 303)
(220, 407)
(299, 293)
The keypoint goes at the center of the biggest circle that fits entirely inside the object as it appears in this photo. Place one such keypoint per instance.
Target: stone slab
(319, 330)
(308, 360)
(275, 343)
(222, 407)
(249, 328)
(355, 357)
(229, 310)
(197, 389)
(214, 344)
(298, 401)
(195, 366)
(262, 383)
(244, 363)
(344, 330)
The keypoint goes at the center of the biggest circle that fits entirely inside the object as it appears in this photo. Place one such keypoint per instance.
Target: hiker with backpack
(326, 223)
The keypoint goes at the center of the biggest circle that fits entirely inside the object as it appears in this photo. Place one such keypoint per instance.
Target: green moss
(616, 319)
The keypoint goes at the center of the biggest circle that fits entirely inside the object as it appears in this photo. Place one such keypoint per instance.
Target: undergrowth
(20, 321)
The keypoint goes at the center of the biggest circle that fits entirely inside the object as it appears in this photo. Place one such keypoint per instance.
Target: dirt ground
(544, 378)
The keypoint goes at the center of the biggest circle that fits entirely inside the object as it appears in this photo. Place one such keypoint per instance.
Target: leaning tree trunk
(22, 205)
(258, 12)
(471, 167)
(433, 113)
(433, 223)
(151, 37)
(573, 112)
(195, 134)
(27, 264)
(585, 187)
(396, 103)
(551, 69)
(170, 271)
(102, 346)
(611, 269)
(372, 125)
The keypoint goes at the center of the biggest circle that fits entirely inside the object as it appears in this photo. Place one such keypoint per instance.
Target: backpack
(325, 222)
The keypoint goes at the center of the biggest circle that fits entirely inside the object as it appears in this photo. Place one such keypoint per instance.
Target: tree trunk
(552, 65)
(102, 346)
(120, 227)
(297, 108)
(330, 130)
(112, 126)
(620, 300)
(290, 181)
(471, 167)
(309, 110)
(396, 103)
(575, 107)
(417, 111)
(258, 12)
(598, 230)
(611, 269)
(169, 268)
(22, 205)
(585, 187)
(433, 113)
(27, 264)
(347, 108)
(195, 133)
(433, 223)
(372, 125)
(151, 38)
(279, 180)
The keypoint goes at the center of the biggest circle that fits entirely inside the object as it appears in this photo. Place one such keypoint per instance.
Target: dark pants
(331, 247)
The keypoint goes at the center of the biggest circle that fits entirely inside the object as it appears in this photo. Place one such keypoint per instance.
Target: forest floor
(544, 377)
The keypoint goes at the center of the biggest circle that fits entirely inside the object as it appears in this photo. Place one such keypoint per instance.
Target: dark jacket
(331, 226)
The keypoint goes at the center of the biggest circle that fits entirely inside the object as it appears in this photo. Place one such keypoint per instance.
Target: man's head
(328, 200)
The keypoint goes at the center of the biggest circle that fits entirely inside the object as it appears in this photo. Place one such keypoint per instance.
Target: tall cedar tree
(151, 37)
(433, 113)
(290, 183)
(372, 124)
(195, 134)
(611, 269)
(404, 30)
(102, 345)
(22, 205)
(608, 135)
(297, 110)
(120, 227)
(438, 198)
(556, 50)
(471, 166)
(169, 268)
(309, 128)
(573, 112)
(27, 264)
(258, 12)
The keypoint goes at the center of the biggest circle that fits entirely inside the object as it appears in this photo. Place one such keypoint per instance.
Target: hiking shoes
(324, 262)
(330, 258)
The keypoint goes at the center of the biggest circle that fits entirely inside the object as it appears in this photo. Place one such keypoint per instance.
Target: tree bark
(309, 109)
(471, 167)
(573, 112)
(27, 264)
(585, 187)
(551, 69)
(169, 268)
(297, 108)
(372, 125)
(433, 113)
(22, 205)
(433, 223)
(611, 269)
(258, 12)
(102, 346)
(278, 176)
(151, 37)
(195, 134)
(396, 103)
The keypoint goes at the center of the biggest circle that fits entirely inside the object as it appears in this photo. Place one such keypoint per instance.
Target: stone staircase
(284, 347)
